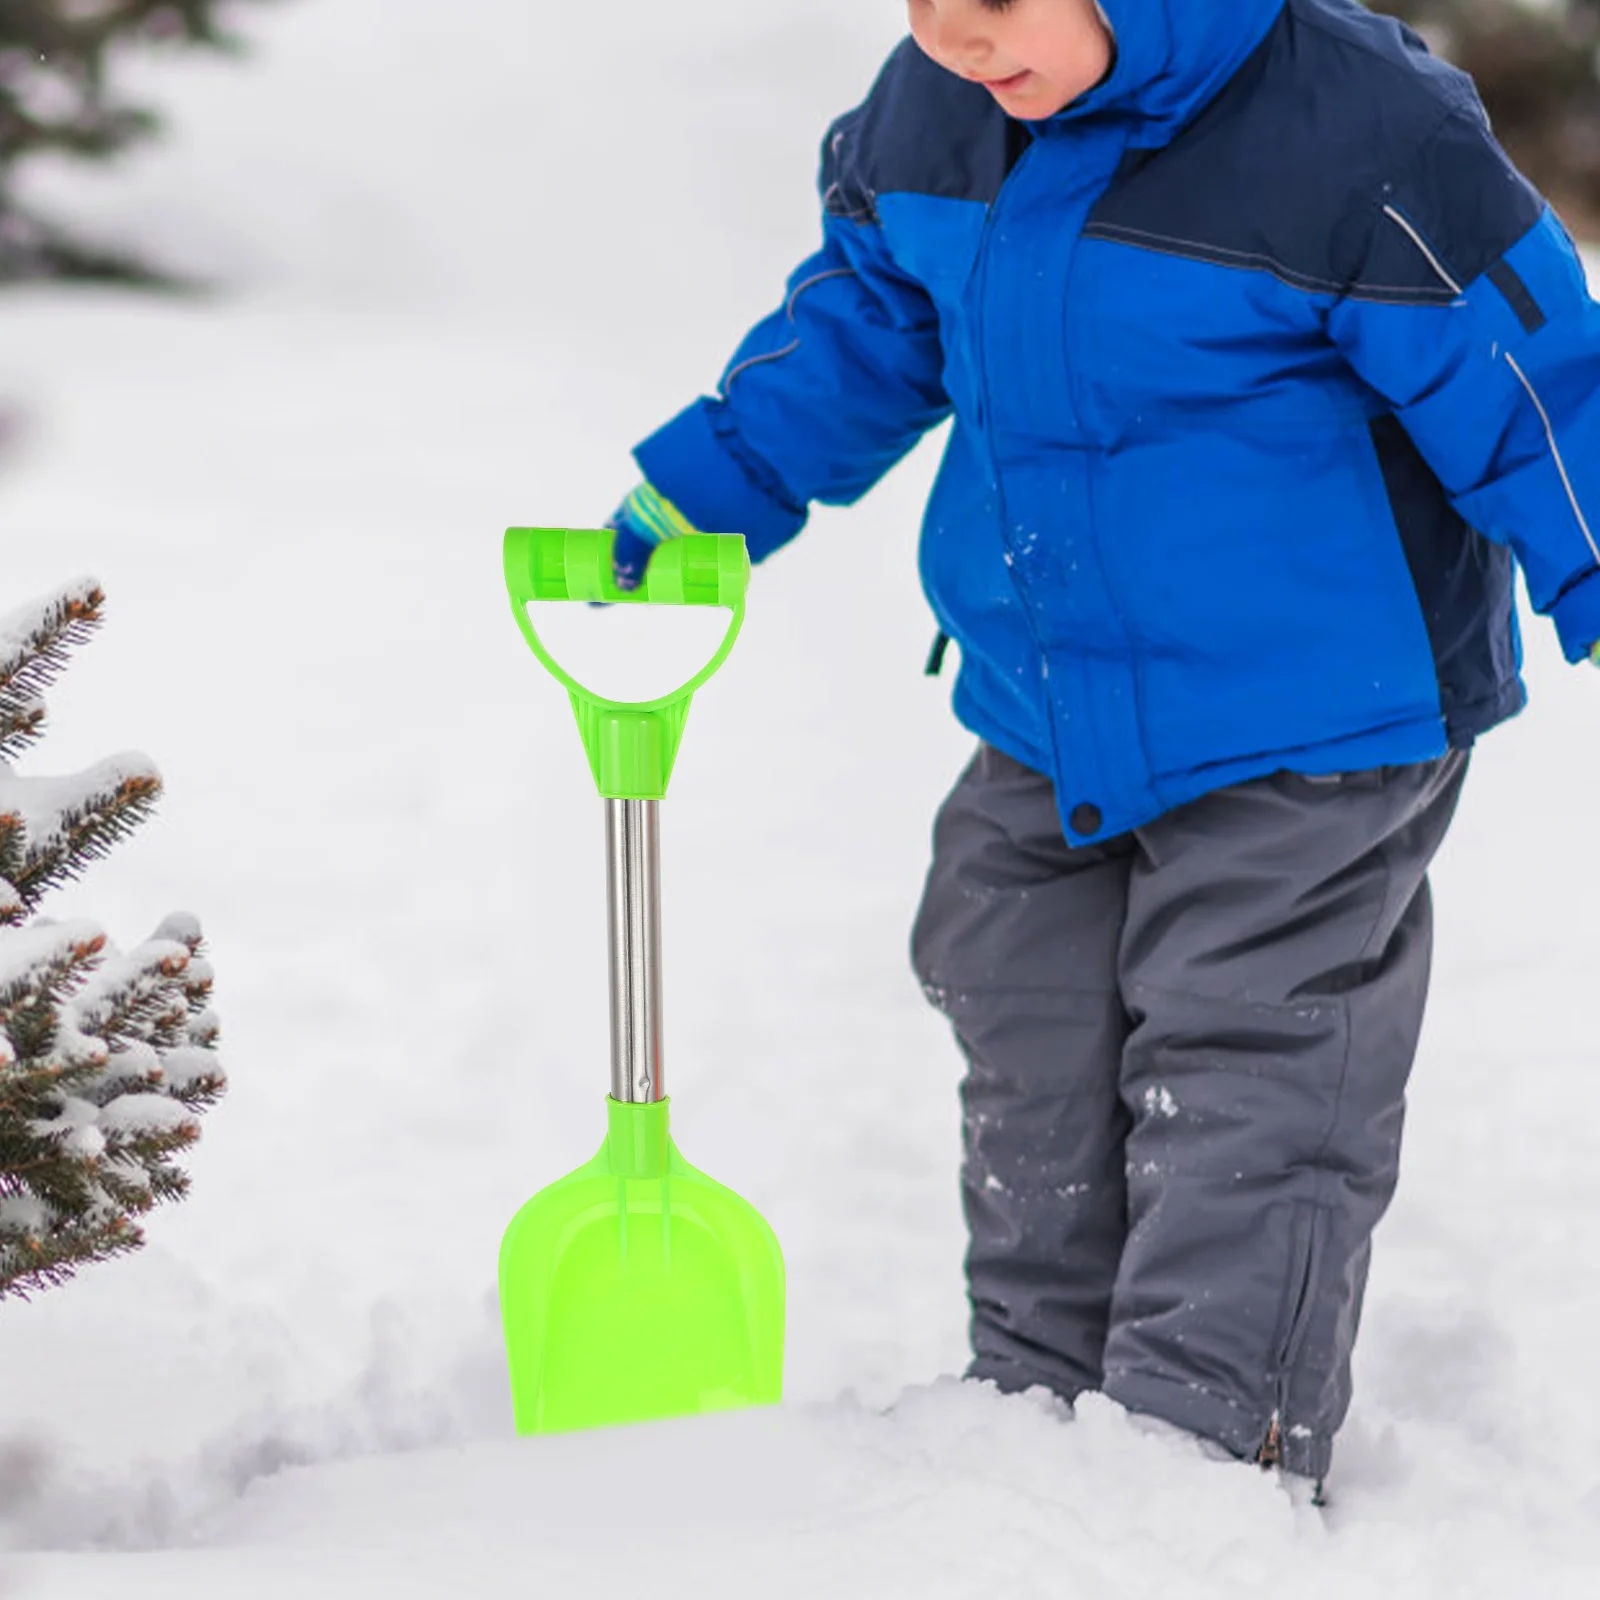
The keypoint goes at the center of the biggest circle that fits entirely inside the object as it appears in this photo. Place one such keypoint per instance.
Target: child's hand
(642, 521)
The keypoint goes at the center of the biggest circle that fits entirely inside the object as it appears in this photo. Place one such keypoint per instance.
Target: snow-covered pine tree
(56, 95)
(106, 1060)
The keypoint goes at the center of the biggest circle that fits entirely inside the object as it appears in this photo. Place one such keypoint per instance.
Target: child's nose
(958, 40)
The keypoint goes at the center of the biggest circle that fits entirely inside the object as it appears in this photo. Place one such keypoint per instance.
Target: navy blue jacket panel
(1264, 370)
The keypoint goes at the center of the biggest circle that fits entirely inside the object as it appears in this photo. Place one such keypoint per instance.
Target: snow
(23, 1212)
(184, 1068)
(133, 1114)
(1159, 1101)
(18, 624)
(26, 951)
(469, 272)
(47, 807)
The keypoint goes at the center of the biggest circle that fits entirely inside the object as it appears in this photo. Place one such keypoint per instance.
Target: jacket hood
(1173, 56)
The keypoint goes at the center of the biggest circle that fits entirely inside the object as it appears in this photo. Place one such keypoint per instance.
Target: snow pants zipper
(1300, 1300)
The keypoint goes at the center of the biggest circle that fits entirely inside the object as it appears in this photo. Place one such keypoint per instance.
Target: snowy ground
(443, 322)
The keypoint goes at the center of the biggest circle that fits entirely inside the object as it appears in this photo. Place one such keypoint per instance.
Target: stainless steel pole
(633, 873)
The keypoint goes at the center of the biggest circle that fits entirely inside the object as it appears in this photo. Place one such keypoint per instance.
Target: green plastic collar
(632, 746)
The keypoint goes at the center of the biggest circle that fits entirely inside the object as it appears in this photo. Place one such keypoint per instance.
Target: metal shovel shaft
(633, 875)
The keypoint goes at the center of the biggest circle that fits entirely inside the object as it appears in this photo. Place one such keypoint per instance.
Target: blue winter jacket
(1262, 360)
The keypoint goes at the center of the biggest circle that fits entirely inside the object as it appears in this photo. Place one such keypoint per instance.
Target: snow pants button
(1085, 819)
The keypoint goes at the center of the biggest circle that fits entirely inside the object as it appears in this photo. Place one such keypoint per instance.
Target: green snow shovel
(636, 1287)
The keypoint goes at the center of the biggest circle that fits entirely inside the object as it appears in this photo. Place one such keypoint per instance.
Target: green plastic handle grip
(632, 746)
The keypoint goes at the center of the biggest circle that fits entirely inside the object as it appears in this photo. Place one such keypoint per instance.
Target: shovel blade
(638, 1288)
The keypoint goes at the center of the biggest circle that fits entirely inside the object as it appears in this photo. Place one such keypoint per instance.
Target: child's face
(1034, 56)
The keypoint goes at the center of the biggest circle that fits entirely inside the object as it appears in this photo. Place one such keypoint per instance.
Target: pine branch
(107, 1067)
(33, 248)
(150, 1007)
(34, 1258)
(57, 95)
(65, 824)
(12, 848)
(22, 727)
(39, 968)
(35, 642)
(106, 1060)
(81, 1193)
(90, 133)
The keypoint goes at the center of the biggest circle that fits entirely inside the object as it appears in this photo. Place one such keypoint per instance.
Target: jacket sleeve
(1471, 317)
(820, 400)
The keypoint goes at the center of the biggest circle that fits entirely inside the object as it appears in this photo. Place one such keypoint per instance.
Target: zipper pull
(936, 656)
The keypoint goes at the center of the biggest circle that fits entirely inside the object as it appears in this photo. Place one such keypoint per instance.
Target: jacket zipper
(979, 336)
(981, 347)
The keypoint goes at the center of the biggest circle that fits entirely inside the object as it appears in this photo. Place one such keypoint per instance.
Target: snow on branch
(51, 829)
(34, 644)
(107, 1060)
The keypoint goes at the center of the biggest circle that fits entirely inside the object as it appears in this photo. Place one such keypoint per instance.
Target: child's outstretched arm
(820, 400)
(1473, 319)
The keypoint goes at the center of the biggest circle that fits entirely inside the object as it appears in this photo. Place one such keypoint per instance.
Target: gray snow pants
(1187, 1055)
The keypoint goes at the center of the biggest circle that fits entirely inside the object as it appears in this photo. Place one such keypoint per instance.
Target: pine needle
(35, 643)
(107, 1061)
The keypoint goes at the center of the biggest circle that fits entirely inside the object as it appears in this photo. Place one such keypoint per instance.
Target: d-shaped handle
(632, 745)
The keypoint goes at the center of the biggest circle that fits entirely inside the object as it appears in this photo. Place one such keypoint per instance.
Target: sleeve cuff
(696, 465)
(1577, 617)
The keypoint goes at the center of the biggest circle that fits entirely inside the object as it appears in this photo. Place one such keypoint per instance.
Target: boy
(1262, 361)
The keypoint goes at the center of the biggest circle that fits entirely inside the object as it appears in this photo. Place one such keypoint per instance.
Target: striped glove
(641, 522)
